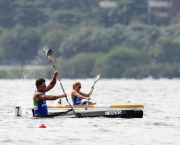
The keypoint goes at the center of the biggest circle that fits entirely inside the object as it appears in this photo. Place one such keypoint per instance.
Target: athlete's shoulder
(37, 96)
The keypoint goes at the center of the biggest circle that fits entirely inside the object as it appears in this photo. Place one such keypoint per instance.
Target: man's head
(40, 83)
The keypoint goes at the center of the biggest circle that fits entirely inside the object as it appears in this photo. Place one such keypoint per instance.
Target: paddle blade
(86, 106)
(50, 56)
(97, 78)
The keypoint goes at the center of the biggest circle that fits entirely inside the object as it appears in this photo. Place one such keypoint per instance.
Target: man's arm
(52, 97)
(38, 97)
(53, 81)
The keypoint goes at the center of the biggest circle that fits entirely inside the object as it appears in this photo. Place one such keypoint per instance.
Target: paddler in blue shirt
(39, 98)
(77, 96)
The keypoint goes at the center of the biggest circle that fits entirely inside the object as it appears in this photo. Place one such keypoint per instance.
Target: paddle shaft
(64, 91)
(86, 107)
(91, 91)
(97, 78)
(59, 79)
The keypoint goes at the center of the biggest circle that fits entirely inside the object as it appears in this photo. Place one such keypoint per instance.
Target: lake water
(160, 124)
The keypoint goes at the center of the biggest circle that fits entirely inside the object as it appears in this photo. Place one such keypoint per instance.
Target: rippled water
(160, 124)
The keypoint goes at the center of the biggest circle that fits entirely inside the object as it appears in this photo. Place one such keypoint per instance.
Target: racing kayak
(95, 113)
(103, 106)
(127, 110)
(92, 106)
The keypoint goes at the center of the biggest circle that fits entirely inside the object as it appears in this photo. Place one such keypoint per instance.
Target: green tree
(53, 39)
(69, 4)
(7, 13)
(141, 36)
(92, 40)
(29, 15)
(79, 66)
(167, 51)
(126, 12)
(67, 17)
(113, 64)
(21, 44)
(173, 32)
(21, 12)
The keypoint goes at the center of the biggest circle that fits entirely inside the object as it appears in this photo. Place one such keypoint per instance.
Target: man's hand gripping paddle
(51, 58)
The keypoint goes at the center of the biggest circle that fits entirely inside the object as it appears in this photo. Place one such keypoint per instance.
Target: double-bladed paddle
(95, 80)
(51, 58)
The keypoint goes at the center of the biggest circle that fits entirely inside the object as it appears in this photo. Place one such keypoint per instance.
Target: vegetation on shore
(87, 39)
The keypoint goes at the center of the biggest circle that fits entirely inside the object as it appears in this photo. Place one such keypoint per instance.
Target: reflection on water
(160, 124)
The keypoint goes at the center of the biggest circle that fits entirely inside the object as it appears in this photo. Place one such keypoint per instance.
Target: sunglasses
(79, 87)
(42, 85)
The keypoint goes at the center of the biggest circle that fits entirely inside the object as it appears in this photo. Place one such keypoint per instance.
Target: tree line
(88, 39)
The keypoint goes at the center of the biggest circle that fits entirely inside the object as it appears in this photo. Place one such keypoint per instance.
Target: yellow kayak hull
(96, 106)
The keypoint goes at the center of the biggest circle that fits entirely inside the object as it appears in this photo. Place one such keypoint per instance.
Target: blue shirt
(76, 100)
(40, 107)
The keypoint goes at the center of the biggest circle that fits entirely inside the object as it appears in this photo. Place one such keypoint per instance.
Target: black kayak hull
(95, 113)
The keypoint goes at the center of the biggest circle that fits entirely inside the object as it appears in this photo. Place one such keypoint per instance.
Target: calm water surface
(159, 126)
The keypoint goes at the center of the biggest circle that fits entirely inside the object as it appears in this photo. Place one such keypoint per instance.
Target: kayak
(96, 113)
(107, 106)
(127, 106)
(126, 110)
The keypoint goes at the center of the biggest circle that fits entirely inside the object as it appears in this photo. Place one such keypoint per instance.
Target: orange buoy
(42, 126)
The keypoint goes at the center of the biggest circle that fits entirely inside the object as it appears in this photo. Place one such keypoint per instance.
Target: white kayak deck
(125, 106)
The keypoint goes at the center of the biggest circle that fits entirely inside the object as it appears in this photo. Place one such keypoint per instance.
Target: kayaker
(39, 98)
(77, 96)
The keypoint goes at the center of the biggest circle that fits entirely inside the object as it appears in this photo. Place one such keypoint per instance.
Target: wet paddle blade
(50, 56)
(86, 106)
(97, 78)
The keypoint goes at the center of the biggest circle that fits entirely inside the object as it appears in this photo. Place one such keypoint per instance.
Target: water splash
(35, 70)
(41, 58)
(37, 66)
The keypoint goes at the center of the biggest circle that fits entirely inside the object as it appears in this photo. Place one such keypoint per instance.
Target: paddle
(95, 80)
(51, 58)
